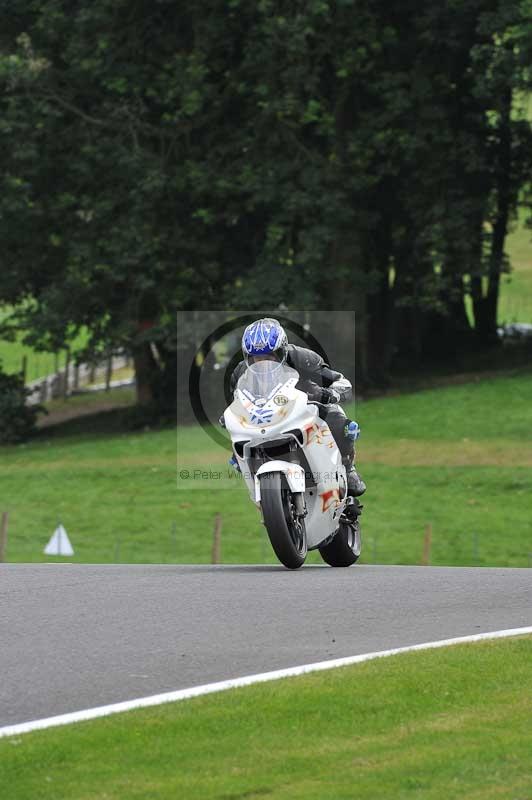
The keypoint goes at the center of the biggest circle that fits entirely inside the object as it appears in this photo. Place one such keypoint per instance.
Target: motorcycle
(292, 467)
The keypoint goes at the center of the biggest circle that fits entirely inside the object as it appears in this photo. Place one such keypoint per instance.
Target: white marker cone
(59, 544)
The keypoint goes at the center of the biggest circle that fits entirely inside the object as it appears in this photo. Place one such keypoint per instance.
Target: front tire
(286, 530)
(345, 548)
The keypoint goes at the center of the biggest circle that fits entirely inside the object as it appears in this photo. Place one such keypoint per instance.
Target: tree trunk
(501, 220)
(486, 305)
(145, 373)
(344, 291)
(380, 325)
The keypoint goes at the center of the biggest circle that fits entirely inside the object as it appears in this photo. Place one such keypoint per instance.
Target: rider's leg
(336, 419)
(355, 484)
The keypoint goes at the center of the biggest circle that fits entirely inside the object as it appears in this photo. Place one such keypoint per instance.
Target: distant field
(515, 304)
(459, 458)
(38, 363)
(437, 725)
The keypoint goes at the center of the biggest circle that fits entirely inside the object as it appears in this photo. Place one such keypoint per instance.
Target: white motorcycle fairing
(295, 475)
(273, 428)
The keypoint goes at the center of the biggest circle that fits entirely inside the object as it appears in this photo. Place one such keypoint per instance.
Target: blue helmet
(263, 338)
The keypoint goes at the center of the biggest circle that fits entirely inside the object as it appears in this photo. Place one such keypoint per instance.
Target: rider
(266, 339)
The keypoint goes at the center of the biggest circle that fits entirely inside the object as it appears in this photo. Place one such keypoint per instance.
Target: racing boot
(355, 484)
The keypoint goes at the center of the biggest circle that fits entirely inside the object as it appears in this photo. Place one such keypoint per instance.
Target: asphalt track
(78, 636)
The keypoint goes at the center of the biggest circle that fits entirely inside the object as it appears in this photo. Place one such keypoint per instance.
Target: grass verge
(438, 725)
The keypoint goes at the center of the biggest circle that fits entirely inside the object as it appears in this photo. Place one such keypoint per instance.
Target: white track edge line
(247, 680)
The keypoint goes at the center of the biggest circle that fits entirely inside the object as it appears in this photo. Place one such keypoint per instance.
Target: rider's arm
(337, 383)
(335, 387)
(322, 383)
(237, 372)
(327, 389)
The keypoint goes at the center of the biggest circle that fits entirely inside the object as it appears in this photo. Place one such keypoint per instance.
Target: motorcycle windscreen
(262, 380)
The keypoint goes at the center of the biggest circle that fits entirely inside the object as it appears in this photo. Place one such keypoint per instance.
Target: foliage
(17, 419)
(176, 156)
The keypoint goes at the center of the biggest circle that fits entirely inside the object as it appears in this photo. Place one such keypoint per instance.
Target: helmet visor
(278, 357)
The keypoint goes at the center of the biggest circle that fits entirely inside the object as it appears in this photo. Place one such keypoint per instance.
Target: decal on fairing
(316, 434)
(259, 416)
(330, 498)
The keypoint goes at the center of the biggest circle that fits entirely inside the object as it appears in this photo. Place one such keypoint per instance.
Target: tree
(17, 419)
(95, 127)
(329, 154)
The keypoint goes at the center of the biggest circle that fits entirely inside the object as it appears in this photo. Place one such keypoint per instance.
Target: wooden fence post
(3, 536)
(108, 372)
(427, 543)
(217, 540)
(67, 374)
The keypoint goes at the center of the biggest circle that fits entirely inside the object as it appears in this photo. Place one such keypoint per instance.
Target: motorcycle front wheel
(286, 530)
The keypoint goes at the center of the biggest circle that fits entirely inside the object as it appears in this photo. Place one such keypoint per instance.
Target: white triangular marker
(59, 544)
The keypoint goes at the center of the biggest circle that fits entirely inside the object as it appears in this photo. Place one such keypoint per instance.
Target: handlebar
(318, 403)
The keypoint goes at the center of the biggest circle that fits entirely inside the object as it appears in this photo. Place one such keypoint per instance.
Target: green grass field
(435, 725)
(515, 304)
(38, 364)
(459, 458)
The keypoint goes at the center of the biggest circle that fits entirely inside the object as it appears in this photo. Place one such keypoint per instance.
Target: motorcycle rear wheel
(285, 530)
(345, 548)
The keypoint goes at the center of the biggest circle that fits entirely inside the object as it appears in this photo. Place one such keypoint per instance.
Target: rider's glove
(329, 395)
